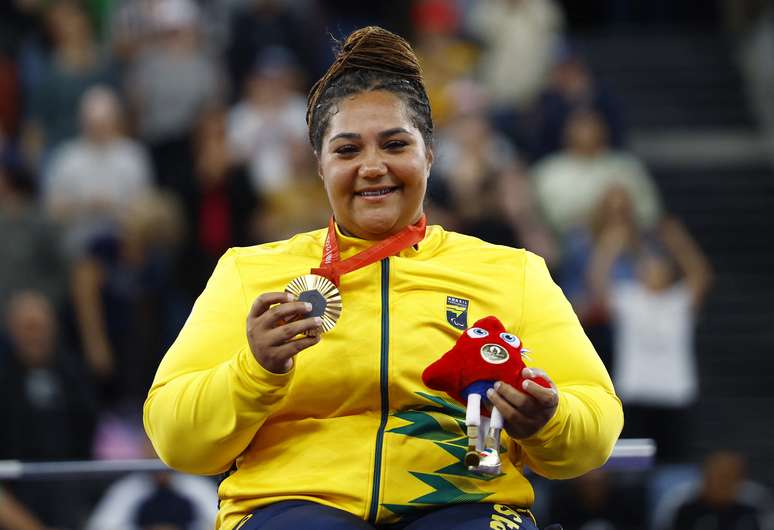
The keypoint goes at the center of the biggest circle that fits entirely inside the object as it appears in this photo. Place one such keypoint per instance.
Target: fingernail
(490, 392)
(497, 385)
(308, 306)
(290, 297)
(317, 320)
(525, 384)
(530, 372)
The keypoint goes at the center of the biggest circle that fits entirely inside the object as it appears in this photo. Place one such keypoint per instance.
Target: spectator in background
(31, 256)
(598, 501)
(270, 117)
(445, 56)
(93, 179)
(261, 24)
(10, 97)
(757, 62)
(14, 516)
(127, 300)
(653, 317)
(520, 38)
(570, 184)
(170, 83)
(132, 25)
(479, 186)
(17, 22)
(75, 64)
(220, 205)
(131, 28)
(720, 502)
(301, 206)
(572, 87)
(47, 408)
(614, 209)
(155, 501)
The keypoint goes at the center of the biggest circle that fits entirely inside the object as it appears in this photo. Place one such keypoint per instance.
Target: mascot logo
(494, 353)
(457, 312)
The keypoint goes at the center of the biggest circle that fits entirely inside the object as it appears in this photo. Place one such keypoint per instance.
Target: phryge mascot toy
(483, 354)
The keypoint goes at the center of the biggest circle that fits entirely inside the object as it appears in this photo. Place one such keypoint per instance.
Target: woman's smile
(377, 193)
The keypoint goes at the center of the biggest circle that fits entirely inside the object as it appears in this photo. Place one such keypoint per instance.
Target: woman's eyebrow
(346, 136)
(393, 131)
(356, 136)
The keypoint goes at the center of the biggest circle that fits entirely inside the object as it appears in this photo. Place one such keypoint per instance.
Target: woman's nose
(372, 166)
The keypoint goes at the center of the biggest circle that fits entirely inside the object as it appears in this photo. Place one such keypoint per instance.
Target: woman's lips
(377, 193)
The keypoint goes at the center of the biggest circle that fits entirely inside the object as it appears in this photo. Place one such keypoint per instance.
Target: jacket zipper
(383, 374)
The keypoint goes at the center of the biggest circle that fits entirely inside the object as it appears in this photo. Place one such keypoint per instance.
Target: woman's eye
(477, 333)
(513, 340)
(395, 144)
(346, 150)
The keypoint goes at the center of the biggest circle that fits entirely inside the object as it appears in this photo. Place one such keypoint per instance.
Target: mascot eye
(513, 340)
(477, 333)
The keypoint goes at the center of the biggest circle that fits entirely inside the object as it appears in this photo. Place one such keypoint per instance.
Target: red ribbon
(332, 267)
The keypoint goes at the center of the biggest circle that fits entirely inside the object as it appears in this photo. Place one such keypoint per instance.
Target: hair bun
(370, 48)
(375, 48)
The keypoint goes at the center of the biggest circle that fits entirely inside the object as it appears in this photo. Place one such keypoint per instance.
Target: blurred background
(629, 143)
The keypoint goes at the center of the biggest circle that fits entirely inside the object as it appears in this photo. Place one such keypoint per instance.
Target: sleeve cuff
(258, 377)
(551, 429)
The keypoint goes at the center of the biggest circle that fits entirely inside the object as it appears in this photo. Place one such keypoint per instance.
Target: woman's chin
(377, 227)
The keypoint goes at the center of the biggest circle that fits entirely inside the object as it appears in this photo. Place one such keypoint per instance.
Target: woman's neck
(349, 233)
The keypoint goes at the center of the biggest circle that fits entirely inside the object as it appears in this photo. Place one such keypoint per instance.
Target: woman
(338, 431)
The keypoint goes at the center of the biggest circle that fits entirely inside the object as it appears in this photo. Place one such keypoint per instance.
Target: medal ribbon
(332, 267)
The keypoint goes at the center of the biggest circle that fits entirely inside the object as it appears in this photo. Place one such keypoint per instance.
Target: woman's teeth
(376, 193)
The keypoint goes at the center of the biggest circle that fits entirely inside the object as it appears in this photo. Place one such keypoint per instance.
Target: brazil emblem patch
(457, 312)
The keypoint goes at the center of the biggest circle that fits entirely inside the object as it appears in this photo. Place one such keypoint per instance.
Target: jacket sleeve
(210, 396)
(589, 418)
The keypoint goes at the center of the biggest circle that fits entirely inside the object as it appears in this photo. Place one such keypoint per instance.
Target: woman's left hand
(525, 410)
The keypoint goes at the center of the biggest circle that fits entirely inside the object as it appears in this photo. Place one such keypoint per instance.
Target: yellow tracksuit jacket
(351, 425)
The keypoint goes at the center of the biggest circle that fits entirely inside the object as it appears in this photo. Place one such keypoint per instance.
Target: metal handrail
(628, 454)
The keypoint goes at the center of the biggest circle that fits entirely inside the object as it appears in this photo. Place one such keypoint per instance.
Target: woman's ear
(319, 166)
(430, 157)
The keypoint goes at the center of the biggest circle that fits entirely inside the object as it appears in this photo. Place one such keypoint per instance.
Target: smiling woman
(336, 429)
(374, 164)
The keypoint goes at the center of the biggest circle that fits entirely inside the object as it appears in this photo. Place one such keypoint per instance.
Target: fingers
(527, 409)
(280, 358)
(285, 312)
(291, 348)
(266, 300)
(538, 385)
(269, 311)
(273, 322)
(285, 332)
(517, 424)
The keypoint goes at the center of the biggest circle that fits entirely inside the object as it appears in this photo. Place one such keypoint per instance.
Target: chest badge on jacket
(457, 312)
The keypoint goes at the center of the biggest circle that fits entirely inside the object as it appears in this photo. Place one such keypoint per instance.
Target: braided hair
(371, 58)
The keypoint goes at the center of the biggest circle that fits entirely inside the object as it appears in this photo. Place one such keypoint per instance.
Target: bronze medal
(322, 294)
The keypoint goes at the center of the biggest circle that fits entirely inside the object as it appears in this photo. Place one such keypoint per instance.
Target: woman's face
(374, 164)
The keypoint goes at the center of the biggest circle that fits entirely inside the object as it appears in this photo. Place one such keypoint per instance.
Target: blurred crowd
(139, 139)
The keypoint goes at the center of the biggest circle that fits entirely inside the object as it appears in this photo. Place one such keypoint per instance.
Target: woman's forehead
(369, 112)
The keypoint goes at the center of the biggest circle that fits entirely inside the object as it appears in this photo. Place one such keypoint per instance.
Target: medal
(320, 287)
(324, 297)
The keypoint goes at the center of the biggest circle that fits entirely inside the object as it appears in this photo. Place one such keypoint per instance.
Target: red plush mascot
(484, 354)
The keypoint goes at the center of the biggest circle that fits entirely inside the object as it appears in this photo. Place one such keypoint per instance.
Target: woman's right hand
(273, 322)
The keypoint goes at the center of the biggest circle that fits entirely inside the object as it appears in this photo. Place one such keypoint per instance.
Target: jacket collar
(351, 245)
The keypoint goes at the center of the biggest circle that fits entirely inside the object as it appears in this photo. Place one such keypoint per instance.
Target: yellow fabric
(314, 433)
